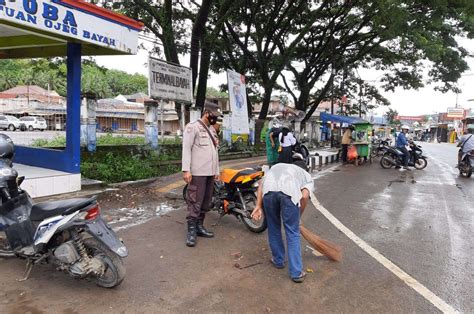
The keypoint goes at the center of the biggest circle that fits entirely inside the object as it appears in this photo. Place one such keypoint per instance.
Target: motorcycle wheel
(421, 163)
(465, 173)
(385, 163)
(114, 272)
(256, 226)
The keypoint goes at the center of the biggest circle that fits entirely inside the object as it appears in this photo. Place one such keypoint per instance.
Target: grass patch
(103, 140)
(119, 167)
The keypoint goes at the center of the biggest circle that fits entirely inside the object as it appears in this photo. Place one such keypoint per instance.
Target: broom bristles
(331, 250)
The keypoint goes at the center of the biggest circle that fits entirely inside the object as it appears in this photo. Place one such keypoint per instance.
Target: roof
(46, 31)
(31, 90)
(137, 96)
(342, 119)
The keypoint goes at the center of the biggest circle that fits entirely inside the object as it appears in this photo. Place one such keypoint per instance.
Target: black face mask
(212, 119)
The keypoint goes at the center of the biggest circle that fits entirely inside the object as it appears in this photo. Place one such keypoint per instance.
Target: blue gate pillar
(68, 160)
(73, 118)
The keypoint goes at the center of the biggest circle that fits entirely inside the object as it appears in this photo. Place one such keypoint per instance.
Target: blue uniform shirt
(401, 140)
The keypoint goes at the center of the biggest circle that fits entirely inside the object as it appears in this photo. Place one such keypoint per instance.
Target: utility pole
(333, 74)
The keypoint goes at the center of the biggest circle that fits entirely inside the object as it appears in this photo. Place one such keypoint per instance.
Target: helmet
(297, 156)
(7, 148)
(405, 127)
(298, 160)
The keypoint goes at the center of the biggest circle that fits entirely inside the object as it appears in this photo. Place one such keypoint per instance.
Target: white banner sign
(457, 113)
(58, 18)
(238, 102)
(170, 82)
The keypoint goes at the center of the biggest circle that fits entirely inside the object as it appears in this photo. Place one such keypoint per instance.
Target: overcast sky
(406, 102)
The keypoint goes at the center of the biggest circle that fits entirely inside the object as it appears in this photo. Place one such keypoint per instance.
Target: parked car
(11, 123)
(34, 123)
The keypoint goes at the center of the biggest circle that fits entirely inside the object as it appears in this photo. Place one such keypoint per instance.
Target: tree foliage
(407, 40)
(391, 115)
(51, 73)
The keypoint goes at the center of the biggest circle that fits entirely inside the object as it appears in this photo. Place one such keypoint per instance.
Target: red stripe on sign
(104, 13)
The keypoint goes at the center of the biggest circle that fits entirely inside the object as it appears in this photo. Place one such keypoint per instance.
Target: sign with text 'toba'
(57, 18)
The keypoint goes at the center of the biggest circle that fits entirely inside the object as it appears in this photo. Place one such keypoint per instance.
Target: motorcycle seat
(239, 175)
(45, 210)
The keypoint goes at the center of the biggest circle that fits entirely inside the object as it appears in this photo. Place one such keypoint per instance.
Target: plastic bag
(352, 153)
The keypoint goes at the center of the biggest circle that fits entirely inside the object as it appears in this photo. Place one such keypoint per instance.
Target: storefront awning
(325, 117)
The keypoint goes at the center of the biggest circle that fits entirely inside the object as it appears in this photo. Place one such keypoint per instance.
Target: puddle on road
(124, 218)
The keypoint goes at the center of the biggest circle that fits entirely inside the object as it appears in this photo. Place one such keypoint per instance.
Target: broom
(325, 247)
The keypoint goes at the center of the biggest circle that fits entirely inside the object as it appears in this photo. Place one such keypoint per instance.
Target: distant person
(272, 144)
(466, 144)
(401, 144)
(286, 141)
(283, 194)
(345, 142)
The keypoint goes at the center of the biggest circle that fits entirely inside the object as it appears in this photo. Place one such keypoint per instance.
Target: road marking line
(397, 271)
(181, 183)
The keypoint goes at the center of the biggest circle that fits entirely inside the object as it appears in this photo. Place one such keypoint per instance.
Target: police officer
(200, 166)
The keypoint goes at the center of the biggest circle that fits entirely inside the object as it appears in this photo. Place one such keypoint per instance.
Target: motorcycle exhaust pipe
(390, 160)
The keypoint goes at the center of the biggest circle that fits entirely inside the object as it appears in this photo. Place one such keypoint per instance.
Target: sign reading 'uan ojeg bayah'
(55, 17)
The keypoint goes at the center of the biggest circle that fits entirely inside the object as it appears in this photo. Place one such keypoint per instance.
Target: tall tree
(181, 26)
(400, 38)
(260, 39)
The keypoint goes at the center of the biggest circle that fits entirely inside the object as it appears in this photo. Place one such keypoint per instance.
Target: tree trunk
(249, 106)
(197, 36)
(169, 43)
(263, 114)
(265, 103)
(203, 73)
(302, 100)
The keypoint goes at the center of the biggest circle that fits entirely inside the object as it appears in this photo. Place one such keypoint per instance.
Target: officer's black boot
(191, 237)
(201, 231)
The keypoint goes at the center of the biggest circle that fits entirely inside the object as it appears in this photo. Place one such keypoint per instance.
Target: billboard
(238, 103)
(170, 81)
(456, 113)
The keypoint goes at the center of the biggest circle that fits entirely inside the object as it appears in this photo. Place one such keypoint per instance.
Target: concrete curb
(319, 158)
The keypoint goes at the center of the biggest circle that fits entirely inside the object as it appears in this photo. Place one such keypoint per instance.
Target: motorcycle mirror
(20, 180)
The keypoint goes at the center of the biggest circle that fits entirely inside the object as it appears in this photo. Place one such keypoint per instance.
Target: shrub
(119, 167)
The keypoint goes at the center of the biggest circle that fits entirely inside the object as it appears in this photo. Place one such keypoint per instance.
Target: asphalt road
(421, 221)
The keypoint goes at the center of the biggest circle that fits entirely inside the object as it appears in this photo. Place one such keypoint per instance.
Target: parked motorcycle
(235, 194)
(394, 157)
(379, 147)
(466, 165)
(68, 234)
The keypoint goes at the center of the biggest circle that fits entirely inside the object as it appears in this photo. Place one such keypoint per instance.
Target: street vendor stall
(363, 129)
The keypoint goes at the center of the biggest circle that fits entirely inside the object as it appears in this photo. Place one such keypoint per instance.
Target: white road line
(397, 271)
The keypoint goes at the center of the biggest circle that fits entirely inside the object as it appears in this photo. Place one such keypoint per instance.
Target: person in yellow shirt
(346, 140)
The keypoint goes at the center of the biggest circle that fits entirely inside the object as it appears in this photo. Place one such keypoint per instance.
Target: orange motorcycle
(235, 194)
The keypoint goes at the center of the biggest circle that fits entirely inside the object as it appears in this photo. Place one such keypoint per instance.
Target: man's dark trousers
(406, 158)
(344, 152)
(199, 196)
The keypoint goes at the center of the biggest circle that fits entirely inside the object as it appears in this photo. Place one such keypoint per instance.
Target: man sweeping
(284, 193)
